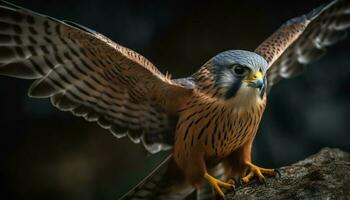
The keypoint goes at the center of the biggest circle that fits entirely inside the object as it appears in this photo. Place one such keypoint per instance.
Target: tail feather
(164, 183)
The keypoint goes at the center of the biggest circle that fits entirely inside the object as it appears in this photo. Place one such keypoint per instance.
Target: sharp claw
(278, 173)
(259, 173)
(262, 180)
(233, 189)
(232, 182)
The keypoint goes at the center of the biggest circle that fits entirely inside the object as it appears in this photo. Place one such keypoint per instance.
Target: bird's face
(239, 75)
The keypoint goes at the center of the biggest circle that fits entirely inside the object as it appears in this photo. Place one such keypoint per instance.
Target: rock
(325, 175)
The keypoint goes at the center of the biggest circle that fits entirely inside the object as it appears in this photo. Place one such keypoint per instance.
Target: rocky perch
(325, 175)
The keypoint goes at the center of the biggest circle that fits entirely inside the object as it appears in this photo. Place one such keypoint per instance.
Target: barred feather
(84, 72)
(165, 182)
(304, 39)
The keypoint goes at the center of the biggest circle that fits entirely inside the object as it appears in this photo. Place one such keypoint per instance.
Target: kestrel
(208, 119)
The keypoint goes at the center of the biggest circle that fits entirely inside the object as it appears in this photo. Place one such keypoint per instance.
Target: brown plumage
(304, 39)
(210, 118)
(215, 131)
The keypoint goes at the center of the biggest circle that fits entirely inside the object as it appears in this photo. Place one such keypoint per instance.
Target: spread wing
(86, 73)
(304, 39)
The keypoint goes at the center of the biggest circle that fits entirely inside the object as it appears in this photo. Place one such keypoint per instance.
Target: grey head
(237, 69)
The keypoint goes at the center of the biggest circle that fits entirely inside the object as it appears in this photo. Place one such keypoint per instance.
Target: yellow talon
(216, 183)
(259, 172)
(247, 178)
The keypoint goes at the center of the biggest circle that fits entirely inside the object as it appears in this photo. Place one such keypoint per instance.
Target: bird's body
(211, 131)
(213, 126)
(210, 119)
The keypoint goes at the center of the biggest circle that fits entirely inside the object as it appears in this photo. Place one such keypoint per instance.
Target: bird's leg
(259, 172)
(216, 184)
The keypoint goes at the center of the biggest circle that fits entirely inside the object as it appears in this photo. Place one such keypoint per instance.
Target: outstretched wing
(304, 39)
(86, 73)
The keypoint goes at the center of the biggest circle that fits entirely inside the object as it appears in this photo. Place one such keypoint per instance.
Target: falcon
(209, 120)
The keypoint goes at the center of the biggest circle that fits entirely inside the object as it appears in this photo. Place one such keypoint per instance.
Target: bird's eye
(240, 70)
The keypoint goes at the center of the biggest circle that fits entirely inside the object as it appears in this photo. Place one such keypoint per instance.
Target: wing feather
(304, 39)
(84, 72)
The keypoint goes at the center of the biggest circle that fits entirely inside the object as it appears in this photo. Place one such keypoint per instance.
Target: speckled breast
(210, 127)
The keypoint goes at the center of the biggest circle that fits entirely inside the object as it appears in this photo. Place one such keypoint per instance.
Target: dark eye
(240, 70)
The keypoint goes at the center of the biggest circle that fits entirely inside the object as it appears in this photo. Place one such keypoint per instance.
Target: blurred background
(48, 154)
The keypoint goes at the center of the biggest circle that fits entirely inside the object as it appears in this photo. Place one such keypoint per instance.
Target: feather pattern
(86, 73)
(165, 182)
(304, 39)
(212, 116)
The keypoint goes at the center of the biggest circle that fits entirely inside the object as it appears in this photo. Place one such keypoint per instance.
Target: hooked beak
(256, 80)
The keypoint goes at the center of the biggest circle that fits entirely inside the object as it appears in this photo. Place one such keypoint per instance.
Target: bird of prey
(208, 120)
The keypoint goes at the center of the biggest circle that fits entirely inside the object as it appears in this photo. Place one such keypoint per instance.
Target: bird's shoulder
(187, 82)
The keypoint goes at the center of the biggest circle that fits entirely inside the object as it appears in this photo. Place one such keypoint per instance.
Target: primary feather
(84, 72)
(304, 39)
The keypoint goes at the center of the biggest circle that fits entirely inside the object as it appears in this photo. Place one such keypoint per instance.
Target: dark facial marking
(231, 92)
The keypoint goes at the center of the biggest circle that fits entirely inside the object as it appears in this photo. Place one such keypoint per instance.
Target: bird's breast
(214, 128)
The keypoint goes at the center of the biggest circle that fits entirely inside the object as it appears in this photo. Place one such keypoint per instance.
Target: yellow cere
(258, 75)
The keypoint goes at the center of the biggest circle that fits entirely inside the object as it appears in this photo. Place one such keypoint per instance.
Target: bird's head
(236, 74)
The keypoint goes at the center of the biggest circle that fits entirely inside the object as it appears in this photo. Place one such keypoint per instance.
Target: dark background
(48, 154)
